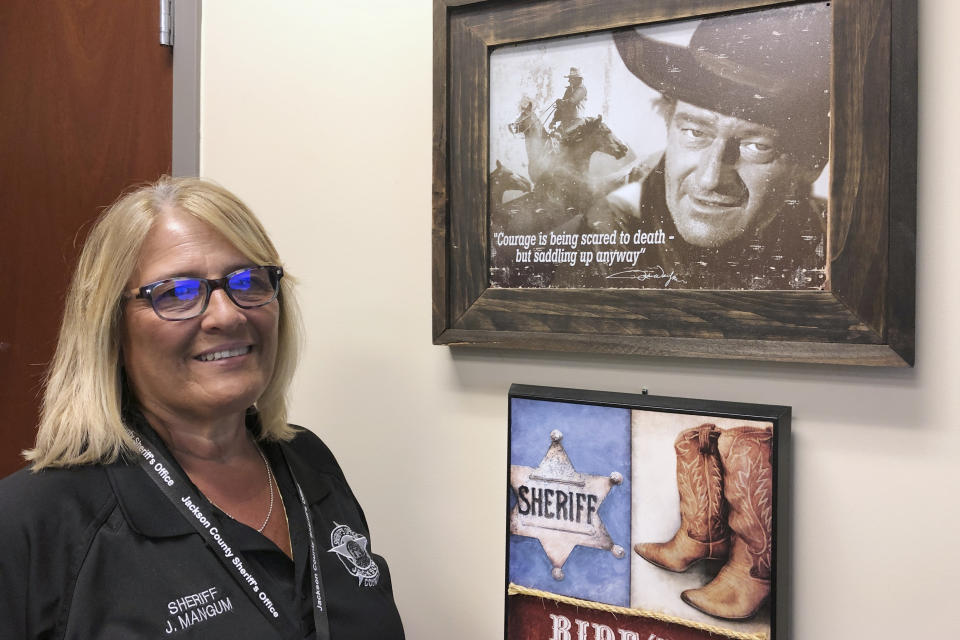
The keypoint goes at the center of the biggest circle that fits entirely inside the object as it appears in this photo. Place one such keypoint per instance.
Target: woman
(167, 494)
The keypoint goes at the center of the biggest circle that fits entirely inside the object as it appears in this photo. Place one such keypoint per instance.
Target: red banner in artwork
(532, 618)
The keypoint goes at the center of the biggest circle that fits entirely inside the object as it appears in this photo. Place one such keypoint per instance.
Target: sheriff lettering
(192, 608)
(557, 504)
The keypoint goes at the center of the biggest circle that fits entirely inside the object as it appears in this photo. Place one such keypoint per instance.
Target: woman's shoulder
(49, 519)
(314, 464)
(316, 469)
(307, 445)
(74, 495)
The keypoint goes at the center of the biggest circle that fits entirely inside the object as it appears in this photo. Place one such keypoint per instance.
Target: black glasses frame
(146, 291)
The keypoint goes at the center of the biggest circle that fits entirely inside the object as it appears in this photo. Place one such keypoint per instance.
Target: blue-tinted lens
(251, 287)
(186, 289)
(241, 280)
(179, 297)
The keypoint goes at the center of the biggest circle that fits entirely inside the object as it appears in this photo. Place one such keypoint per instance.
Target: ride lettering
(556, 504)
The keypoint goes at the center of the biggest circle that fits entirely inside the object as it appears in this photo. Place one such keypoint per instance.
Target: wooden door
(85, 111)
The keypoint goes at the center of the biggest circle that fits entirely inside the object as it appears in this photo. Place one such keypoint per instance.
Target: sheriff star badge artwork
(560, 506)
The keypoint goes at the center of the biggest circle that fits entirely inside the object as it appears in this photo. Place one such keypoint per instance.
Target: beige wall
(319, 115)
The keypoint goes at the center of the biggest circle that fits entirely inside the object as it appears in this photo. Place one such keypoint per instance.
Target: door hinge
(166, 22)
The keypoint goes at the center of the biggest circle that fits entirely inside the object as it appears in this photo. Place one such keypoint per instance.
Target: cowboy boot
(703, 531)
(744, 581)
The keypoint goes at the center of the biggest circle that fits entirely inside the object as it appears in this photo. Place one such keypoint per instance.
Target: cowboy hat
(770, 67)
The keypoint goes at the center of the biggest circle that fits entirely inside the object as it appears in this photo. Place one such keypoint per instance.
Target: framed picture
(634, 517)
(704, 178)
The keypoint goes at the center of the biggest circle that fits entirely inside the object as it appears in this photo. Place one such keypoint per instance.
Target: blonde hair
(81, 415)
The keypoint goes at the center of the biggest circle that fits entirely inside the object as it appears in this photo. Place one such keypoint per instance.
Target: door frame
(186, 87)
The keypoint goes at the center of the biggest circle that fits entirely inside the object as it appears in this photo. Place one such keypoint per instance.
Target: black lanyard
(171, 480)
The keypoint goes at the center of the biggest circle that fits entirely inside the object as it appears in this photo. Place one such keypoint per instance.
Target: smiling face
(725, 176)
(208, 367)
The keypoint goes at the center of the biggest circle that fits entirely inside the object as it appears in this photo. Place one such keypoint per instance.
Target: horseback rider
(566, 117)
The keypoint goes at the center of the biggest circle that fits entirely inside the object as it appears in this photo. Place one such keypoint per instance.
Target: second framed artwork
(711, 179)
(645, 518)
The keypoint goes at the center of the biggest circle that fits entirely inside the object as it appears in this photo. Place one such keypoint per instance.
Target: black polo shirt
(99, 552)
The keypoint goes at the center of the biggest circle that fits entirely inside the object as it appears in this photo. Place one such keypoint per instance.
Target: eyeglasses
(185, 298)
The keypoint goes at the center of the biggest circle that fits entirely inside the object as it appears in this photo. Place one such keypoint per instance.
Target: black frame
(780, 416)
(867, 316)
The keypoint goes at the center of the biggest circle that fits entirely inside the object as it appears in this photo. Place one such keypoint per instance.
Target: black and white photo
(684, 155)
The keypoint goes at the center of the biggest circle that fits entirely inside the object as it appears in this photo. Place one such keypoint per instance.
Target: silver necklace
(269, 486)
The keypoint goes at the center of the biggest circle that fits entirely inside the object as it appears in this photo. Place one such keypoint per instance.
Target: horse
(562, 192)
(502, 180)
(559, 168)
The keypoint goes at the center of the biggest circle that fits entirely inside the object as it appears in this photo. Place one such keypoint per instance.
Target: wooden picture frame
(620, 504)
(866, 317)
